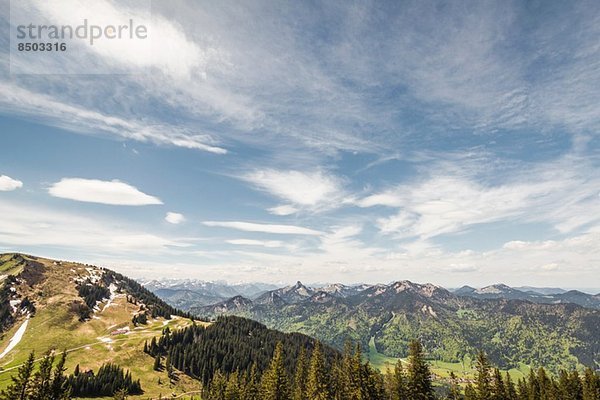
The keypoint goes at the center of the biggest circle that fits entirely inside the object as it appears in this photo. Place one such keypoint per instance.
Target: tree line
(314, 378)
(537, 385)
(348, 378)
(229, 344)
(49, 382)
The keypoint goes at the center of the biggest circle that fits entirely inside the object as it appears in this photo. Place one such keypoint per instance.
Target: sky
(445, 142)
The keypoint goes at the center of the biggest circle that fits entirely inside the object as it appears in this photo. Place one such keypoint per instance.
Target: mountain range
(187, 293)
(101, 318)
(385, 317)
(536, 295)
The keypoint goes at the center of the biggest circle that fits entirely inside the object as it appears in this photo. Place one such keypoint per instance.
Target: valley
(98, 316)
(513, 332)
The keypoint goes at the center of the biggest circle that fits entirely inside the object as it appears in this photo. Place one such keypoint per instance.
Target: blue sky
(321, 141)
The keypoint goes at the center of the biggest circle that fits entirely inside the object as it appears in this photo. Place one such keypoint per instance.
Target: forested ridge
(230, 344)
(241, 359)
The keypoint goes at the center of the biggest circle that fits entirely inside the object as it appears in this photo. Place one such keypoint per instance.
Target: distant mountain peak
(495, 289)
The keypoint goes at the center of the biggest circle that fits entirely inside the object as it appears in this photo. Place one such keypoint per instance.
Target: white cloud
(112, 192)
(550, 267)
(26, 226)
(179, 56)
(285, 209)
(304, 189)
(265, 228)
(561, 192)
(174, 218)
(8, 184)
(252, 242)
(459, 268)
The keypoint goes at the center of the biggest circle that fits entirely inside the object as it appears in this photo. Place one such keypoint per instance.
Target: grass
(378, 360)
(441, 369)
(90, 344)
(8, 266)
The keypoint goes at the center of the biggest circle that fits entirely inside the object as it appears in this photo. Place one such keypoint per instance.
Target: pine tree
(419, 375)
(498, 389)
(59, 387)
(484, 386)
(454, 393)
(19, 388)
(42, 379)
(120, 394)
(574, 386)
(317, 383)
(544, 383)
(251, 389)
(523, 392)
(300, 377)
(533, 386)
(157, 366)
(216, 388)
(398, 384)
(591, 385)
(274, 385)
(470, 392)
(511, 393)
(232, 390)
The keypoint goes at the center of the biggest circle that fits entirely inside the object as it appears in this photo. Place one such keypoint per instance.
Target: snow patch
(16, 338)
(113, 293)
(14, 304)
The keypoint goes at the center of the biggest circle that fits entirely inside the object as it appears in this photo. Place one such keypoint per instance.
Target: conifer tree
(574, 386)
(251, 389)
(484, 386)
(454, 393)
(470, 392)
(317, 383)
(274, 385)
(348, 373)
(42, 379)
(217, 386)
(59, 387)
(523, 392)
(20, 386)
(498, 389)
(232, 390)
(419, 375)
(511, 393)
(157, 366)
(120, 394)
(533, 386)
(398, 386)
(300, 377)
(591, 385)
(544, 384)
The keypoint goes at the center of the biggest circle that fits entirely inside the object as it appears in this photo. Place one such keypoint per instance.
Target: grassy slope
(54, 327)
(12, 267)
